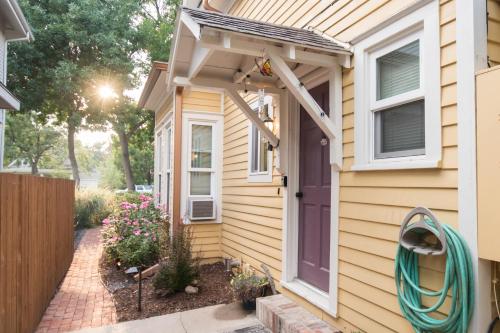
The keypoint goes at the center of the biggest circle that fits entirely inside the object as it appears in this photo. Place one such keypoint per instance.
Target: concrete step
(281, 315)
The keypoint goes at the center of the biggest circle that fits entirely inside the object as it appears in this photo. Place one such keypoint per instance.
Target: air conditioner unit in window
(201, 209)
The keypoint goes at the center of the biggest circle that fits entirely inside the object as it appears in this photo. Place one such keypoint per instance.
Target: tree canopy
(80, 46)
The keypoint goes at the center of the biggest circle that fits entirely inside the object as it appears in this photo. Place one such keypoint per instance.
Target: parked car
(144, 188)
(138, 189)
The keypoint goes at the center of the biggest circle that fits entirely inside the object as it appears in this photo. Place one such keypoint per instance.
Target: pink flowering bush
(131, 235)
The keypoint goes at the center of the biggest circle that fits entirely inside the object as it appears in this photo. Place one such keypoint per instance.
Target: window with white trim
(201, 166)
(168, 169)
(259, 156)
(397, 94)
(159, 163)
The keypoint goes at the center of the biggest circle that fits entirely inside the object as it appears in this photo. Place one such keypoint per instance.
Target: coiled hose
(458, 276)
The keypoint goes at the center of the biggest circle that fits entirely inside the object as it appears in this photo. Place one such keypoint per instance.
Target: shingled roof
(307, 38)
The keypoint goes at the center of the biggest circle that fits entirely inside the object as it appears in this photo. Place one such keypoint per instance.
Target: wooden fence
(36, 246)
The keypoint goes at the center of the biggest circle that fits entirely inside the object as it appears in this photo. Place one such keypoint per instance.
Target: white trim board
(421, 24)
(471, 56)
(290, 134)
(217, 121)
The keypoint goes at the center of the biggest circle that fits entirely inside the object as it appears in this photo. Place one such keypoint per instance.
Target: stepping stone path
(82, 301)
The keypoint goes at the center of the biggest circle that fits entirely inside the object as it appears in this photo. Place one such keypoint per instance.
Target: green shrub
(130, 197)
(131, 235)
(181, 268)
(137, 251)
(91, 207)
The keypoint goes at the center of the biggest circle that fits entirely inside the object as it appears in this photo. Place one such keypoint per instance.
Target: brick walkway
(82, 300)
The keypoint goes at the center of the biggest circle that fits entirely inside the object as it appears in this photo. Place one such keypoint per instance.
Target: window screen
(201, 148)
(400, 131)
(201, 160)
(259, 152)
(399, 71)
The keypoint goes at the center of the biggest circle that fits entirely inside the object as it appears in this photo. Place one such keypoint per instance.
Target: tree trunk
(71, 154)
(127, 168)
(34, 167)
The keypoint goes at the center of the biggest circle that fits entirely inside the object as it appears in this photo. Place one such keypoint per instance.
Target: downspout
(206, 5)
(177, 174)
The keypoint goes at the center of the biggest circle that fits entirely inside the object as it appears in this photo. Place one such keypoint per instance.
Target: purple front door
(314, 197)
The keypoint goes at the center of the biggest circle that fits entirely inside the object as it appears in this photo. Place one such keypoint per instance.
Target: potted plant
(248, 286)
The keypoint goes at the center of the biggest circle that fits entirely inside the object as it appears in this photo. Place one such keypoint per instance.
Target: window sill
(397, 165)
(256, 178)
(312, 294)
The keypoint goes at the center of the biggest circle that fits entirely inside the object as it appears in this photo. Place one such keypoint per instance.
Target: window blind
(398, 71)
(400, 129)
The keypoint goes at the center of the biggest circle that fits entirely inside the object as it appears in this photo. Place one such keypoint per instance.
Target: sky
(90, 138)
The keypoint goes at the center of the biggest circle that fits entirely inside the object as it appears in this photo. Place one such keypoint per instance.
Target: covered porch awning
(220, 51)
(7, 99)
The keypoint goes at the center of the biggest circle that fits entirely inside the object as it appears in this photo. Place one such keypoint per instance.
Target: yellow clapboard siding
(348, 107)
(235, 159)
(448, 33)
(374, 295)
(361, 320)
(373, 204)
(369, 261)
(260, 257)
(370, 229)
(348, 92)
(267, 221)
(244, 183)
(447, 12)
(387, 214)
(380, 247)
(449, 54)
(276, 202)
(449, 74)
(304, 10)
(235, 136)
(255, 228)
(258, 238)
(449, 95)
(259, 247)
(238, 150)
(338, 13)
(450, 136)
(257, 210)
(375, 312)
(243, 165)
(449, 115)
(348, 135)
(494, 51)
(369, 7)
(402, 178)
(411, 197)
(253, 190)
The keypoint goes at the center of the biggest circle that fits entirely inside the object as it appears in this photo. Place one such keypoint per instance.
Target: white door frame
(289, 147)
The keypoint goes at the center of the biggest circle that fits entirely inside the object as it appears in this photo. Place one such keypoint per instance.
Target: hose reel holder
(425, 236)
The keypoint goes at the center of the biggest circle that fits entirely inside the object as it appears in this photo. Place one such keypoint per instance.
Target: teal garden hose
(458, 276)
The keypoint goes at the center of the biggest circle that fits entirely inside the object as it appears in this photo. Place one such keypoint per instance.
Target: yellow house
(298, 134)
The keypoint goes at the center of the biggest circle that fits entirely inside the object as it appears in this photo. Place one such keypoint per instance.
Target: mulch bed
(214, 288)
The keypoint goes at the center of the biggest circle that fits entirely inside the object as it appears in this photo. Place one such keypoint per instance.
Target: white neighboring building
(13, 27)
